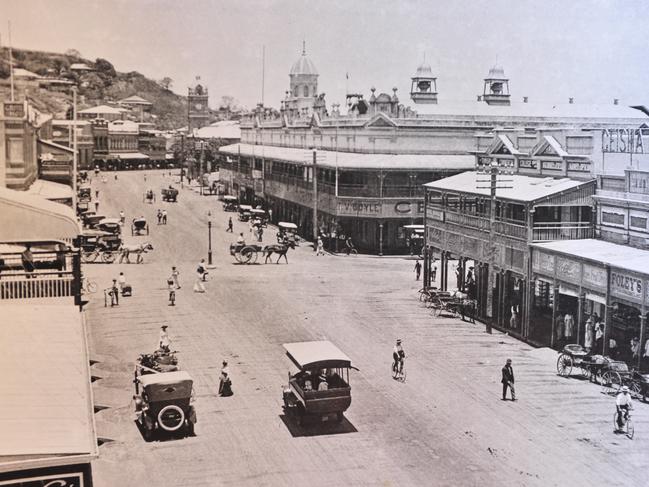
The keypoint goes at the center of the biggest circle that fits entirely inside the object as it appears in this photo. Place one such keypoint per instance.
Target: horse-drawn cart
(455, 303)
(245, 253)
(148, 197)
(591, 366)
(139, 226)
(170, 194)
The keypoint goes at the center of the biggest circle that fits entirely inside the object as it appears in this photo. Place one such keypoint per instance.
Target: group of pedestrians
(162, 217)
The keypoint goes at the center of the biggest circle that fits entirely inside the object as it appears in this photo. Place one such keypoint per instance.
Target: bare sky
(592, 50)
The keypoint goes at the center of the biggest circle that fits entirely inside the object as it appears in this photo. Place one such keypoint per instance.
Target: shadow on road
(317, 427)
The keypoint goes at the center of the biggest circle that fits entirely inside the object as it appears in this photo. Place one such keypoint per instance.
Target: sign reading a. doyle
(626, 285)
(356, 207)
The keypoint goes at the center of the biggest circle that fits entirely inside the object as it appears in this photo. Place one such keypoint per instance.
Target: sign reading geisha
(628, 141)
(626, 285)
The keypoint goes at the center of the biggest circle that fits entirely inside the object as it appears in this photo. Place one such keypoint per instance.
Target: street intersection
(445, 426)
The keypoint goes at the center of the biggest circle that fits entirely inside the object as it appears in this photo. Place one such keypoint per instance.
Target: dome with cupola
(303, 65)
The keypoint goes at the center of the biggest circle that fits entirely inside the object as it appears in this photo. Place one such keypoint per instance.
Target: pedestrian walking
(225, 383)
(122, 218)
(202, 270)
(198, 285)
(230, 226)
(114, 294)
(320, 247)
(174, 277)
(159, 215)
(434, 272)
(164, 343)
(121, 280)
(27, 259)
(164, 217)
(417, 270)
(260, 234)
(508, 380)
(96, 205)
(97, 194)
(172, 291)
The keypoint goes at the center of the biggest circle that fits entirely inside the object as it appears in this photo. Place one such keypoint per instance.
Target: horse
(280, 249)
(125, 251)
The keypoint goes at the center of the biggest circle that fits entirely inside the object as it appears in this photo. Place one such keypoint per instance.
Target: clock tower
(198, 111)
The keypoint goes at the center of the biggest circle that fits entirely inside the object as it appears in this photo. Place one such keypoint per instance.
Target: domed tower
(424, 85)
(303, 86)
(496, 87)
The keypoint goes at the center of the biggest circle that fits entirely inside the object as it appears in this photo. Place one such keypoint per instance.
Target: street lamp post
(209, 242)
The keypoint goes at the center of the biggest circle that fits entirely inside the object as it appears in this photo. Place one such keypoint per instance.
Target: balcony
(53, 276)
(544, 232)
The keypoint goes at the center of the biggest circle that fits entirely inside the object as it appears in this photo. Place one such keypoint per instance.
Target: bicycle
(627, 428)
(351, 251)
(399, 373)
(88, 286)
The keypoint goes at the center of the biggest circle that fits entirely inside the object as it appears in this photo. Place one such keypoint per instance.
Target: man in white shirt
(165, 341)
(623, 405)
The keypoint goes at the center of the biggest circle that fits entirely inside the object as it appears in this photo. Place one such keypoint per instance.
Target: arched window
(296, 92)
(306, 91)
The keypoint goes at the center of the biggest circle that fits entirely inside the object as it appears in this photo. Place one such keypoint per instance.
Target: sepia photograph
(324, 243)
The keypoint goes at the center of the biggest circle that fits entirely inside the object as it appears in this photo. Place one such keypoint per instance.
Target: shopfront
(578, 285)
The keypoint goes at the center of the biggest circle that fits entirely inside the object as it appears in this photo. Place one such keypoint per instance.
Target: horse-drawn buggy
(230, 203)
(169, 194)
(591, 366)
(455, 303)
(97, 244)
(287, 232)
(320, 389)
(245, 213)
(139, 226)
(148, 197)
(110, 225)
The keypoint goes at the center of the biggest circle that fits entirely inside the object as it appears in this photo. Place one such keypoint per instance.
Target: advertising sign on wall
(625, 285)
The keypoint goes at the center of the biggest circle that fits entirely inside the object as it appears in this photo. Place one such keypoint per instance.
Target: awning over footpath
(518, 188)
(127, 156)
(25, 217)
(605, 253)
(46, 410)
(50, 190)
(353, 160)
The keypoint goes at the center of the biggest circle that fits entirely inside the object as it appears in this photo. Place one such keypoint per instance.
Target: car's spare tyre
(171, 418)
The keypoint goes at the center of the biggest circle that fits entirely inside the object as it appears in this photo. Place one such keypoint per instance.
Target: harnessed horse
(280, 249)
(126, 250)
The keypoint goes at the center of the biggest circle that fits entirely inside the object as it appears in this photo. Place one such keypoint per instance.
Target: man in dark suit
(508, 380)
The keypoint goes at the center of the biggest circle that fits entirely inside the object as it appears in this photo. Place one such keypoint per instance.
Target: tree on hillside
(105, 67)
(229, 102)
(73, 53)
(165, 83)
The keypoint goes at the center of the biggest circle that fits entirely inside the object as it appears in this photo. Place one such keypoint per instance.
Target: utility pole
(74, 148)
(11, 64)
(493, 171)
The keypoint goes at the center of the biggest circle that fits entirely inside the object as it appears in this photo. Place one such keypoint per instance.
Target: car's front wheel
(171, 418)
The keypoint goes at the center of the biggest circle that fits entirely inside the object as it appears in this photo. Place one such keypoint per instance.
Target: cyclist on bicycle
(623, 404)
(398, 355)
(349, 245)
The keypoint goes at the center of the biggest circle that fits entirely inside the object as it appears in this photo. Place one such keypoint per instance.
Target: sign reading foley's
(625, 285)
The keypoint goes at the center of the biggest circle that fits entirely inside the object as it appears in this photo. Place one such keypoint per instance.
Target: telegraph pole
(315, 196)
(74, 148)
(493, 171)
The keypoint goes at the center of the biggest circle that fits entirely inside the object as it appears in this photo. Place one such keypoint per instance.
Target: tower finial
(303, 47)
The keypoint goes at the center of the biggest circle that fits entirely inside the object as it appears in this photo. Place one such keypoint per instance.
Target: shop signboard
(568, 270)
(375, 208)
(60, 480)
(594, 277)
(542, 263)
(358, 207)
(623, 141)
(14, 109)
(625, 285)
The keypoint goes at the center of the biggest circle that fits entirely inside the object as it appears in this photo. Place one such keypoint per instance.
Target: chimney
(616, 101)
(479, 97)
(571, 100)
(524, 99)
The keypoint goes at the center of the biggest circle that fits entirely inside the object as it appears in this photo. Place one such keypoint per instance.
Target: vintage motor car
(169, 194)
(84, 194)
(320, 389)
(259, 216)
(288, 231)
(230, 203)
(244, 213)
(163, 403)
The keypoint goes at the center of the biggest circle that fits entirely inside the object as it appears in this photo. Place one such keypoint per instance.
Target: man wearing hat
(623, 404)
(165, 342)
(397, 356)
(323, 385)
(508, 380)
